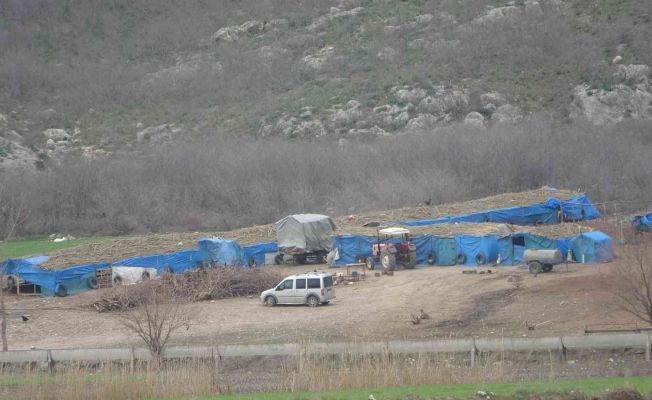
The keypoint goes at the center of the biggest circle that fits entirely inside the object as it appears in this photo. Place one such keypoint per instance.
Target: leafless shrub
(634, 280)
(156, 316)
(193, 285)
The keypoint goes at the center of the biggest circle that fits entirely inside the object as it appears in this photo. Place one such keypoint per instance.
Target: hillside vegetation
(148, 115)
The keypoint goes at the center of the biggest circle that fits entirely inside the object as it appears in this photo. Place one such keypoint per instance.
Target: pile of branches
(192, 286)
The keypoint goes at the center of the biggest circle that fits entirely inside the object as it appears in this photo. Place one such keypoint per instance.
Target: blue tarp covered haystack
(553, 211)
(221, 252)
(643, 222)
(592, 247)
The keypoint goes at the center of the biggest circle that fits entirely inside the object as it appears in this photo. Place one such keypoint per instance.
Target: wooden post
(132, 362)
(474, 351)
(562, 350)
(17, 285)
(50, 362)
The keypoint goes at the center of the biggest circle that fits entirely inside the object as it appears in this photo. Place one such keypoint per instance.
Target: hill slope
(115, 74)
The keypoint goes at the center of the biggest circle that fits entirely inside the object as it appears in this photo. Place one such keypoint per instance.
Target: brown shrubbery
(193, 285)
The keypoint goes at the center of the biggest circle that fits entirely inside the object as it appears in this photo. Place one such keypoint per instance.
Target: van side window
(328, 281)
(314, 283)
(301, 283)
(287, 284)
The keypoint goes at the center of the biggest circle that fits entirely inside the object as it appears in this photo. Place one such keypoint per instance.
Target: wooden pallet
(104, 277)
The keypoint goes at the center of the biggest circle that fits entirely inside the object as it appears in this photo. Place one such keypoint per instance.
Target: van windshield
(328, 281)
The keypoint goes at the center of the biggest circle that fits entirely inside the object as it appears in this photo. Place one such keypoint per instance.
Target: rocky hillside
(95, 77)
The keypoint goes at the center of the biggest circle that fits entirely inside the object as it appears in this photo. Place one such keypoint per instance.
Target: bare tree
(634, 275)
(156, 317)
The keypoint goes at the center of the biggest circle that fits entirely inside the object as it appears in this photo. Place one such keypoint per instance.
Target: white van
(312, 288)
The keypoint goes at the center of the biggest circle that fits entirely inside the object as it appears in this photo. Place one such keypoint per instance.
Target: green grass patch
(589, 386)
(41, 245)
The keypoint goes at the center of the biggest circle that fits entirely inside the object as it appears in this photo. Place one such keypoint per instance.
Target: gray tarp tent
(304, 233)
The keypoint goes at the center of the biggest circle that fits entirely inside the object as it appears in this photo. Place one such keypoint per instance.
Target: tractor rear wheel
(388, 260)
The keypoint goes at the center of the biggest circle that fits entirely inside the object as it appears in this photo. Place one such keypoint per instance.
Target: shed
(592, 247)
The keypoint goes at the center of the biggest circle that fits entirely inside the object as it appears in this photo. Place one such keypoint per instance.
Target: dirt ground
(378, 308)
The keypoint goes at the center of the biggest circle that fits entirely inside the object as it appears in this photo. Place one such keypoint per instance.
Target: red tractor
(393, 248)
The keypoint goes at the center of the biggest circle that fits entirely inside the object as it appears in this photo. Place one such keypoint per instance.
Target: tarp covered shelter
(477, 250)
(221, 252)
(579, 208)
(512, 247)
(73, 279)
(254, 255)
(170, 262)
(441, 250)
(352, 248)
(592, 247)
(304, 233)
(643, 222)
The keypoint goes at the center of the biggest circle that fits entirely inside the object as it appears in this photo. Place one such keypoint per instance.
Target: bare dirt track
(375, 309)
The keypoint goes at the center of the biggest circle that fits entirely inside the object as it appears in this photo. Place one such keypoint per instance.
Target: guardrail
(471, 345)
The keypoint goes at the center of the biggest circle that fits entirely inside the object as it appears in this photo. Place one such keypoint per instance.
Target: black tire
(535, 267)
(460, 259)
(117, 280)
(145, 276)
(432, 258)
(270, 301)
(169, 270)
(547, 267)
(299, 258)
(479, 258)
(92, 282)
(412, 260)
(370, 263)
(62, 291)
(278, 259)
(312, 301)
(252, 263)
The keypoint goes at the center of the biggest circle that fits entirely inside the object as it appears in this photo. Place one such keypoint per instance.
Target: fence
(471, 345)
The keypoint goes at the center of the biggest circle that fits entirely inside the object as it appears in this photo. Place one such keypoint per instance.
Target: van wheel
(270, 301)
(313, 301)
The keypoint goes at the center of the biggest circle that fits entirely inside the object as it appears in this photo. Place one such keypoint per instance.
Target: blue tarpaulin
(352, 247)
(592, 247)
(73, 279)
(576, 208)
(643, 222)
(9, 266)
(255, 254)
(170, 262)
(579, 208)
(477, 248)
(512, 247)
(221, 252)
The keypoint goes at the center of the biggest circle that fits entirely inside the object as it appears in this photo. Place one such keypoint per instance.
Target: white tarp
(131, 275)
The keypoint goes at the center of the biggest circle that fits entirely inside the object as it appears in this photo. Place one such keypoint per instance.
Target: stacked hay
(122, 248)
(480, 229)
(503, 200)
